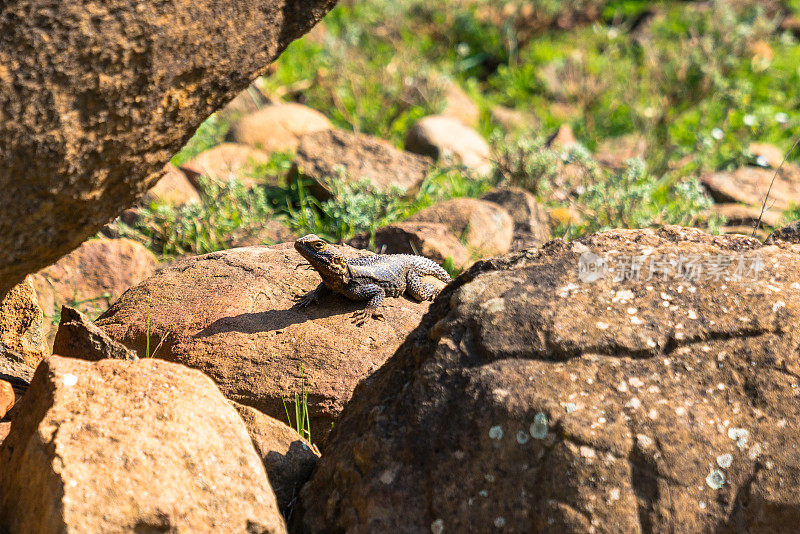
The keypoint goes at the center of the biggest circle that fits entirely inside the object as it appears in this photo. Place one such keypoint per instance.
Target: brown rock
(745, 230)
(118, 446)
(321, 157)
(173, 188)
(97, 96)
(7, 398)
(742, 214)
(771, 154)
(5, 428)
(484, 226)
(231, 314)
(788, 234)
(278, 127)
(616, 151)
(445, 138)
(432, 240)
(562, 139)
(247, 101)
(534, 399)
(79, 337)
(22, 338)
(512, 119)
(288, 458)
(459, 105)
(531, 222)
(750, 185)
(92, 277)
(225, 161)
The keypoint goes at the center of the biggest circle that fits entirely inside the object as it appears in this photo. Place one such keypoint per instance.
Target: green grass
(302, 421)
(699, 83)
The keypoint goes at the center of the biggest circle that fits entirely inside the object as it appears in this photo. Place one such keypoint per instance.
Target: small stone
(715, 479)
(539, 427)
(724, 460)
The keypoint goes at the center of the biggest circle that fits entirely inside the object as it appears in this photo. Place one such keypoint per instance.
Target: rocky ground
(611, 184)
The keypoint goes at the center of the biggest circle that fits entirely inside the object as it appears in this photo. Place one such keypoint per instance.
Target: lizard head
(323, 257)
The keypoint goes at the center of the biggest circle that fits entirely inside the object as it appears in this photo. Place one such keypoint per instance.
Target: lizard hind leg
(419, 289)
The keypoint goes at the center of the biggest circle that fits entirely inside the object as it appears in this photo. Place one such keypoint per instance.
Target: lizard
(372, 277)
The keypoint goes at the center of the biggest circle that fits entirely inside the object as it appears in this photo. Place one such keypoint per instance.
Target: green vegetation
(302, 422)
(697, 82)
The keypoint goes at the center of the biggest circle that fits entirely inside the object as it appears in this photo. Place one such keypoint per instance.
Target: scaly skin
(370, 278)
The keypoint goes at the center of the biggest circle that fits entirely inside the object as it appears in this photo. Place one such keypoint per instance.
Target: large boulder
(484, 226)
(173, 188)
(749, 185)
(95, 97)
(540, 394)
(531, 221)
(114, 446)
(287, 457)
(232, 315)
(278, 127)
(337, 154)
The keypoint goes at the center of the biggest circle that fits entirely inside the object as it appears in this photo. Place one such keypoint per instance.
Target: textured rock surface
(115, 446)
(446, 138)
(278, 127)
(288, 458)
(231, 314)
(432, 240)
(321, 157)
(531, 400)
(226, 160)
(22, 335)
(484, 226)
(788, 234)
(78, 337)
(531, 222)
(95, 97)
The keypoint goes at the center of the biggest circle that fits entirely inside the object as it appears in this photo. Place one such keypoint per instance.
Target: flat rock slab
(749, 185)
(533, 398)
(336, 154)
(231, 314)
(278, 127)
(116, 446)
(98, 96)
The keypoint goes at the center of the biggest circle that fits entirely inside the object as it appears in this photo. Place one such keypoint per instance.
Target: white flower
(749, 120)
(761, 161)
(717, 134)
(781, 117)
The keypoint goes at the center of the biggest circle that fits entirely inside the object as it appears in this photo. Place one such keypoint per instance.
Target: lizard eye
(319, 245)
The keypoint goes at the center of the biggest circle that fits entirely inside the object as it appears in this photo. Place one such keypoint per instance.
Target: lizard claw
(360, 317)
(304, 301)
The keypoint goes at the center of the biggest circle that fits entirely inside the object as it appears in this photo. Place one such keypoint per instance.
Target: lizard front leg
(304, 301)
(375, 295)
